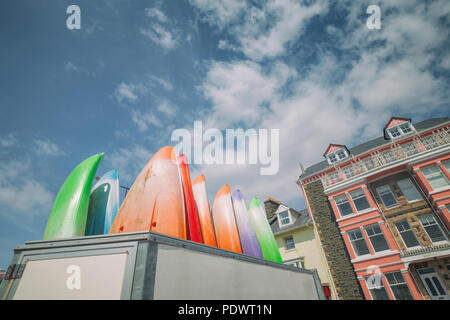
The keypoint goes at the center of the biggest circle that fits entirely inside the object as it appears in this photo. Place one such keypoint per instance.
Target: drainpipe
(317, 233)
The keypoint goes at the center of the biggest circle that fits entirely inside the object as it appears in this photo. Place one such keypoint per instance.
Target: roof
(372, 144)
(302, 219)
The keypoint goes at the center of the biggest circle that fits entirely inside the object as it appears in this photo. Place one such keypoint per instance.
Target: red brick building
(388, 202)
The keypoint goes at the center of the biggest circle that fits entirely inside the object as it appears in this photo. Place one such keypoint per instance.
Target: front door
(433, 284)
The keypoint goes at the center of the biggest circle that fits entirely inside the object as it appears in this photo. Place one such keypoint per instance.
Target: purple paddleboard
(249, 242)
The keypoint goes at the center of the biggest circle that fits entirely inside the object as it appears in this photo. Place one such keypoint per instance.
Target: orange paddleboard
(227, 234)
(193, 231)
(155, 201)
(204, 211)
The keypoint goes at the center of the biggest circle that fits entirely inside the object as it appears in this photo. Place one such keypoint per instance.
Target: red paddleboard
(227, 234)
(204, 211)
(155, 201)
(192, 222)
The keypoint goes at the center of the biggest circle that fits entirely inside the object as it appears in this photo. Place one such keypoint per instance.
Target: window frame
(285, 239)
(435, 165)
(289, 216)
(437, 224)
(335, 154)
(398, 128)
(364, 196)
(377, 234)
(410, 229)
(346, 200)
(371, 287)
(391, 285)
(392, 193)
(413, 185)
(358, 239)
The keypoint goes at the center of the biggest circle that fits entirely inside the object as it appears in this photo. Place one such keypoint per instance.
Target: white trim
(384, 253)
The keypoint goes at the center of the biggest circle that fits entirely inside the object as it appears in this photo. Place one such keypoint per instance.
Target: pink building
(389, 201)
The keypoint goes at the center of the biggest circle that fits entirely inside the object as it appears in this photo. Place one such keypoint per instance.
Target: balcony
(398, 153)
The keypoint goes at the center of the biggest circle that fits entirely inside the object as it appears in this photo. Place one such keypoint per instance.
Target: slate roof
(302, 219)
(375, 143)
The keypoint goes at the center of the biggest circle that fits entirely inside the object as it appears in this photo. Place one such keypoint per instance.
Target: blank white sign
(88, 277)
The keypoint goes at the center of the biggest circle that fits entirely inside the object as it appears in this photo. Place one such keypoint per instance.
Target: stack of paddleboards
(162, 199)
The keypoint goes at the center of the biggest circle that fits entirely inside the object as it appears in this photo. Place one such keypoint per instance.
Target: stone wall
(341, 269)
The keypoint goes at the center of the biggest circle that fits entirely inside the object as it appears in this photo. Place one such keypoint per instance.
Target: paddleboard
(249, 242)
(155, 201)
(263, 231)
(103, 204)
(70, 209)
(204, 211)
(227, 234)
(193, 231)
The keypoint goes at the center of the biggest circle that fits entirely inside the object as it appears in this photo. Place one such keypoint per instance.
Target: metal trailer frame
(140, 269)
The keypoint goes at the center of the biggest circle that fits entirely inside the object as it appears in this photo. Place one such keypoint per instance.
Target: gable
(333, 148)
(394, 121)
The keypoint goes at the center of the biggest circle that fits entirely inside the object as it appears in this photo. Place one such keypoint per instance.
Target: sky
(138, 70)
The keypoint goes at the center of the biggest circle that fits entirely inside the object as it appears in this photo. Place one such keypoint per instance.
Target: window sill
(439, 190)
(360, 213)
(375, 256)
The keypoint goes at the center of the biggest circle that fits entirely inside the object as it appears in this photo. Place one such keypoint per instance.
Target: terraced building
(382, 211)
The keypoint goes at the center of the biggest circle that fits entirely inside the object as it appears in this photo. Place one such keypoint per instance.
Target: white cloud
(129, 161)
(144, 119)
(333, 102)
(21, 196)
(70, 66)
(48, 148)
(166, 84)
(125, 92)
(166, 108)
(263, 32)
(8, 141)
(161, 30)
(156, 14)
(160, 35)
(220, 13)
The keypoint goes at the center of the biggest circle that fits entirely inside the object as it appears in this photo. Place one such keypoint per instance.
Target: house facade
(298, 241)
(387, 201)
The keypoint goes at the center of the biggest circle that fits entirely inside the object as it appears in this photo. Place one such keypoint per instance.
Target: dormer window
(397, 127)
(337, 156)
(285, 218)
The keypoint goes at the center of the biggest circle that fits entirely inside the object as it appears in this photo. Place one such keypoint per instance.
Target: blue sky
(137, 70)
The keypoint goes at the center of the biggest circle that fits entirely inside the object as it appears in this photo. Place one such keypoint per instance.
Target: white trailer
(148, 265)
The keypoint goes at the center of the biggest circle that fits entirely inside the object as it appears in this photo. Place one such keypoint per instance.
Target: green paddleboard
(69, 213)
(263, 232)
